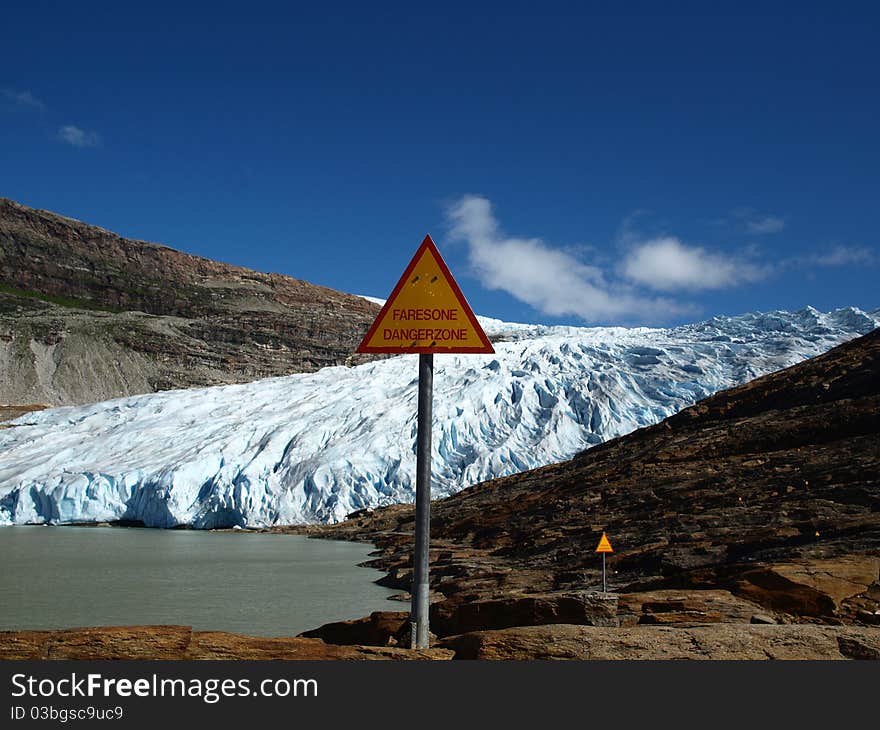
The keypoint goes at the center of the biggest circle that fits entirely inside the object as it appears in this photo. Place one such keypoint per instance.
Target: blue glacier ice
(314, 447)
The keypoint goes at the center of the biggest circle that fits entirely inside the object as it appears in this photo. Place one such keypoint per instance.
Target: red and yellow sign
(604, 545)
(426, 312)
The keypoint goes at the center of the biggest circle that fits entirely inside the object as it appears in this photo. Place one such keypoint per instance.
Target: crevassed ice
(315, 447)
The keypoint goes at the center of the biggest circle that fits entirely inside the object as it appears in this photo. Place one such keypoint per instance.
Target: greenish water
(265, 585)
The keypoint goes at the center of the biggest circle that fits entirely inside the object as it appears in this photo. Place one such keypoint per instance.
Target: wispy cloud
(22, 98)
(752, 221)
(78, 137)
(666, 264)
(69, 133)
(765, 224)
(841, 256)
(553, 281)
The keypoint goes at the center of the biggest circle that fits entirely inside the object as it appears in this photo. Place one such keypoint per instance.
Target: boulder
(809, 587)
(762, 618)
(869, 617)
(590, 608)
(673, 607)
(380, 628)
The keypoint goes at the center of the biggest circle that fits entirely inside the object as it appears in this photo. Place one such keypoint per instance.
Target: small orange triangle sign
(426, 312)
(604, 545)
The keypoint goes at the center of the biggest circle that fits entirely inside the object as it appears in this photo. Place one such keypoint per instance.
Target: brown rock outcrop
(181, 642)
(810, 587)
(380, 628)
(106, 642)
(684, 608)
(724, 641)
(220, 645)
(589, 608)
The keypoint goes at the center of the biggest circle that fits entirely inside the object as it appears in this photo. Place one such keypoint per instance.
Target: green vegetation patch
(61, 301)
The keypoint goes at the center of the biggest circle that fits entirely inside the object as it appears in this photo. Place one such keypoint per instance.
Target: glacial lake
(248, 583)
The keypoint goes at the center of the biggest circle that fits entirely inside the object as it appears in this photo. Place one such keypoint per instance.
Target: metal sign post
(425, 314)
(604, 547)
(420, 587)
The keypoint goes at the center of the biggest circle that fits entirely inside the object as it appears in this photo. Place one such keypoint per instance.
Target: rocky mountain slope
(86, 315)
(315, 447)
(760, 505)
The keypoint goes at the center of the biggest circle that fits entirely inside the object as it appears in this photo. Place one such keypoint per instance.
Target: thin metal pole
(604, 589)
(420, 586)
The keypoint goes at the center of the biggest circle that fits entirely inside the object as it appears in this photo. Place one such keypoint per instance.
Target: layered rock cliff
(87, 315)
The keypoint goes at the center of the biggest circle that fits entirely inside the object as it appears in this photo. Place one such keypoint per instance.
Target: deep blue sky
(675, 160)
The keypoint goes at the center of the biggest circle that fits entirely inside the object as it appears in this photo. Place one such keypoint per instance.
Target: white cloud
(553, 281)
(646, 281)
(22, 98)
(666, 264)
(77, 137)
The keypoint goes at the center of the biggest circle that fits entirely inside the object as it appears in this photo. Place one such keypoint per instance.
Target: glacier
(315, 447)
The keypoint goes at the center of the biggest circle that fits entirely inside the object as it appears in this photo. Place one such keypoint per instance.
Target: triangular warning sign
(426, 312)
(604, 545)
